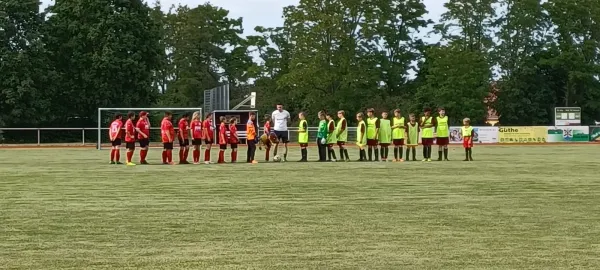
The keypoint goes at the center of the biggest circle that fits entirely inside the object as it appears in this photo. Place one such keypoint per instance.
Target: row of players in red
(200, 131)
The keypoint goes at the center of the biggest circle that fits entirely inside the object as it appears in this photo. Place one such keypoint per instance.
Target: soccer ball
(277, 158)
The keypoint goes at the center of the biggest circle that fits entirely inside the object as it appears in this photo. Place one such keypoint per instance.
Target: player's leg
(168, 150)
(117, 147)
(207, 151)
(414, 153)
(186, 151)
(113, 151)
(341, 148)
(234, 147)
(130, 150)
(396, 148)
(222, 148)
(196, 153)
(440, 150)
(252, 147)
(376, 150)
(331, 152)
(268, 150)
(400, 150)
(144, 143)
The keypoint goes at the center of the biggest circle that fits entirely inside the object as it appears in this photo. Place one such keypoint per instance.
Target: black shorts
(168, 146)
(184, 143)
(116, 142)
(196, 141)
(130, 145)
(208, 141)
(233, 145)
(223, 146)
(282, 136)
(144, 142)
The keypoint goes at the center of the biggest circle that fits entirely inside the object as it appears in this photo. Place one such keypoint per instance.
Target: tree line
(60, 64)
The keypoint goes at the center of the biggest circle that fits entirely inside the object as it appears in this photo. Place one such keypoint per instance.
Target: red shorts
(467, 142)
(427, 141)
(398, 142)
(341, 143)
(384, 144)
(330, 145)
(371, 142)
(301, 145)
(442, 141)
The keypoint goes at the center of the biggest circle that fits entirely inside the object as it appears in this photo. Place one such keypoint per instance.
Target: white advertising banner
(482, 135)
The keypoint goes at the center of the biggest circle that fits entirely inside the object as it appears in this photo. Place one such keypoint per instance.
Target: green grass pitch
(515, 207)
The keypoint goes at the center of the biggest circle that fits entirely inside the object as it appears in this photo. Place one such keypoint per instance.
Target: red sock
(164, 156)
(129, 156)
(169, 156)
(233, 156)
(112, 154)
(118, 154)
(186, 153)
(143, 154)
(180, 154)
(206, 155)
(221, 157)
(196, 155)
(267, 154)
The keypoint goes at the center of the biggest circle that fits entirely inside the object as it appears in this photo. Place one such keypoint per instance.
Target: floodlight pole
(99, 147)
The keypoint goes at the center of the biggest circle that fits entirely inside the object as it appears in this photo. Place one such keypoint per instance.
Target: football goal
(155, 116)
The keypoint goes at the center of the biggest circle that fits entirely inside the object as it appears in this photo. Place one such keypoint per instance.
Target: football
(277, 158)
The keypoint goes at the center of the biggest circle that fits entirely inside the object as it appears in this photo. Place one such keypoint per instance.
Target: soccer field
(515, 207)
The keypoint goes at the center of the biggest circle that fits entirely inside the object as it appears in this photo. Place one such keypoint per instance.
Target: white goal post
(102, 128)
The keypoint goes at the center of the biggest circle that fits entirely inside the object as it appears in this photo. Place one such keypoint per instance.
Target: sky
(267, 13)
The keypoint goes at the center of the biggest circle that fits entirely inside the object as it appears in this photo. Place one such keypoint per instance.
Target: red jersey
(196, 128)
(183, 129)
(129, 131)
(207, 126)
(267, 127)
(166, 127)
(222, 134)
(144, 127)
(115, 129)
(233, 137)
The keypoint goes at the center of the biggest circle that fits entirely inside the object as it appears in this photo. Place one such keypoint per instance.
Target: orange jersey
(250, 130)
(115, 129)
(222, 134)
(129, 131)
(196, 128)
(166, 129)
(233, 137)
(144, 127)
(183, 129)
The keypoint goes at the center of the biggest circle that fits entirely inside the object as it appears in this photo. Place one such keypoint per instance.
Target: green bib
(427, 133)
(413, 134)
(302, 133)
(343, 135)
(443, 131)
(398, 133)
(360, 134)
(331, 138)
(322, 132)
(466, 131)
(371, 129)
(385, 131)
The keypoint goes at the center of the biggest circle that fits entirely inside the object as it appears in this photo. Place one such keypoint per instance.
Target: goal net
(155, 116)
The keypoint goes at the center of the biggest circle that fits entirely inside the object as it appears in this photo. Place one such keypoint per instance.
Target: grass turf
(515, 207)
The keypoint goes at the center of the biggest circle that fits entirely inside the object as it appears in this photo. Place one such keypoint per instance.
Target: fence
(488, 135)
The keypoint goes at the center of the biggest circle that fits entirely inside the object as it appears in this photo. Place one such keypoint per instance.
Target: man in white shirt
(280, 118)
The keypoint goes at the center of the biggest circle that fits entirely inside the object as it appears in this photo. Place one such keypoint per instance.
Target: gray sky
(268, 12)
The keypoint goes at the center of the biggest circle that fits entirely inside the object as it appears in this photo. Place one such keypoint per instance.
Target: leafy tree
(105, 53)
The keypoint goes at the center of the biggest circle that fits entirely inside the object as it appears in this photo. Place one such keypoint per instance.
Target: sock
(376, 154)
(233, 156)
(164, 156)
(143, 154)
(285, 154)
(387, 151)
(196, 155)
(424, 151)
(267, 154)
(341, 153)
(129, 156)
(328, 154)
(407, 153)
(346, 154)
(414, 154)
(370, 154)
(400, 152)
(470, 153)
(429, 149)
(112, 154)
(221, 157)
(170, 156)
(439, 154)
(180, 154)
(117, 155)
(396, 153)
(445, 153)
(333, 154)
(466, 153)
(186, 153)
(207, 155)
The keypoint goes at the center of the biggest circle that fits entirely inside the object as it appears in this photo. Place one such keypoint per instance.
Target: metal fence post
(38, 134)
(83, 136)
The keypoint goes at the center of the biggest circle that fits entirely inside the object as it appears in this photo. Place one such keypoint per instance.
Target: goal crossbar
(100, 128)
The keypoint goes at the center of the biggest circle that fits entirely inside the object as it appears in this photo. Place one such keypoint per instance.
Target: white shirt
(280, 120)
